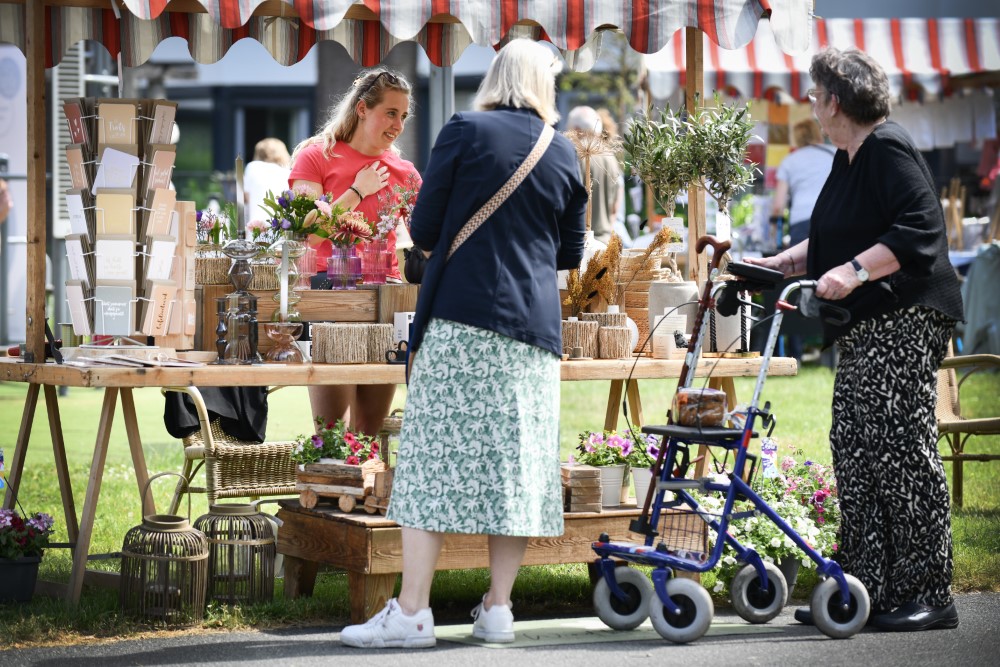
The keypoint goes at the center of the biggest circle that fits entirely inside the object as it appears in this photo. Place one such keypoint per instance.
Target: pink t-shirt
(337, 174)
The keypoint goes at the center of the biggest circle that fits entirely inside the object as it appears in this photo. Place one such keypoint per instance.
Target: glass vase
(283, 336)
(374, 262)
(293, 246)
(343, 268)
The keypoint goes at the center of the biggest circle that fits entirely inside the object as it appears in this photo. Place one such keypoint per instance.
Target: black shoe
(913, 617)
(804, 616)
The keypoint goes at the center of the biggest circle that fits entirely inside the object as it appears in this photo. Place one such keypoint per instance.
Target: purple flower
(286, 223)
(653, 451)
(282, 202)
(808, 462)
(197, 215)
(317, 442)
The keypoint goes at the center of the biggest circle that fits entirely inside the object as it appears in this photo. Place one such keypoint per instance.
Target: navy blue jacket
(503, 278)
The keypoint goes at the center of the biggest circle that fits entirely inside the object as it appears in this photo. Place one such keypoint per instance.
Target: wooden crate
(349, 485)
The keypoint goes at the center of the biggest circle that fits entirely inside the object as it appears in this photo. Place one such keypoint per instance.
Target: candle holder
(284, 335)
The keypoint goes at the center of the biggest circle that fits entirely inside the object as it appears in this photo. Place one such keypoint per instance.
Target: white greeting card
(114, 258)
(76, 209)
(79, 310)
(160, 261)
(117, 169)
(77, 250)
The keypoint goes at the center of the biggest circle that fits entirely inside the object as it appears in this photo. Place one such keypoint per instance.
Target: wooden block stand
(581, 488)
(369, 548)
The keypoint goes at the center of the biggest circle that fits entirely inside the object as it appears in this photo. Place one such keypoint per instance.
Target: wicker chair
(233, 468)
(952, 426)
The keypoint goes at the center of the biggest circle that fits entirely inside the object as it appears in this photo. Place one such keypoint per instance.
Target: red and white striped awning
(923, 52)
(368, 30)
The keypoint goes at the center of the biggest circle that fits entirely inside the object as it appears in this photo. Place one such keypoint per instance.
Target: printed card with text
(116, 121)
(113, 308)
(114, 212)
(114, 258)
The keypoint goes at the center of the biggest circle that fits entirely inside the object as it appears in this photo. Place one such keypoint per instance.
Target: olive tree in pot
(718, 137)
(659, 152)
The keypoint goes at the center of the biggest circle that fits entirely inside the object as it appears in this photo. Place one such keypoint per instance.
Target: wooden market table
(118, 384)
(369, 547)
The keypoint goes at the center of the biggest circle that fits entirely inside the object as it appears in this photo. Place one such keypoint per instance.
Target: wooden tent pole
(694, 96)
(36, 207)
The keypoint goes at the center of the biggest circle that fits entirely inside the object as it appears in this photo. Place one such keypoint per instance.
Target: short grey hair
(521, 76)
(858, 81)
(585, 119)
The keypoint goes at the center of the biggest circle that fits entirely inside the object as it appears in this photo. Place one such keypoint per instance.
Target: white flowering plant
(804, 495)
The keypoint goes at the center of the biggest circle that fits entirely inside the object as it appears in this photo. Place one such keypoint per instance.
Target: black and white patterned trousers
(895, 533)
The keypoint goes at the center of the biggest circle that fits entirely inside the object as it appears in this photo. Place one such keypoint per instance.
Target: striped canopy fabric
(913, 52)
(134, 27)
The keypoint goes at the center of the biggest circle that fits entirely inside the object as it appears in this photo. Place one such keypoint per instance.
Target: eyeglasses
(389, 76)
(813, 94)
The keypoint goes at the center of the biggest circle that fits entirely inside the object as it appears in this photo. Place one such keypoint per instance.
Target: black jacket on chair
(241, 411)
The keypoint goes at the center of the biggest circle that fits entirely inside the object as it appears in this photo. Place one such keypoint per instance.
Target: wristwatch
(860, 271)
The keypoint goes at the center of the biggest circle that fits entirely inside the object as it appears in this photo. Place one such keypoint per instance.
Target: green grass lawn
(801, 405)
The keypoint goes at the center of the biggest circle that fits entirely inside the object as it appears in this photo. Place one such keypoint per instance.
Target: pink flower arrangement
(24, 536)
(333, 440)
(607, 448)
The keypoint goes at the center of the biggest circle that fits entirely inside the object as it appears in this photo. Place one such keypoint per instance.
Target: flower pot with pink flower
(609, 451)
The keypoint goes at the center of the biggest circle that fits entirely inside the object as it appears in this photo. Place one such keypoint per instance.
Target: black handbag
(414, 264)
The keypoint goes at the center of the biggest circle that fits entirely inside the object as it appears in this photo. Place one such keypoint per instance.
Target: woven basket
(614, 342)
(212, 270)
(582, 333)
(605, 319)
(265, 277)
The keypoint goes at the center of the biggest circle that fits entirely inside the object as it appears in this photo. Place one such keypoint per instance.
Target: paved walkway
(562, 643)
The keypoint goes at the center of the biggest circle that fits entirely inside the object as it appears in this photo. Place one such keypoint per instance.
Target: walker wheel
(625, 614)
(696, 612)
(752, 601)
(829, 614)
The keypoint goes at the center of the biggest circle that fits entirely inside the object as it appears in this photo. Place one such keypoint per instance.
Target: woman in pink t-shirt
(354, 158)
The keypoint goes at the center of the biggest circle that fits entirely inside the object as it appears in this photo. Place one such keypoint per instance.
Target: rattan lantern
(164, 569)
(241, 553)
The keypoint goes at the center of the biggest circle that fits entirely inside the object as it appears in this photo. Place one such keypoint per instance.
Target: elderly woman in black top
(877, 246)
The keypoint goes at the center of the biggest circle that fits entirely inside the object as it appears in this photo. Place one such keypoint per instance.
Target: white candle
(284, 281)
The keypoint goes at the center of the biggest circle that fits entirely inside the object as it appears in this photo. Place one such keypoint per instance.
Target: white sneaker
(495, 625)
(392, 628)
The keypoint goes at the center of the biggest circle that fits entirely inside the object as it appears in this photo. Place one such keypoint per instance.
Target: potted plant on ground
(22, 542)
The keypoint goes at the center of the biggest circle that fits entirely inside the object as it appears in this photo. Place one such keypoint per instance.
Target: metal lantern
(164, 569)
(241, 552)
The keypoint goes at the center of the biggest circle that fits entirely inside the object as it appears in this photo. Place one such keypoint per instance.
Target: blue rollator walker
(682, 609)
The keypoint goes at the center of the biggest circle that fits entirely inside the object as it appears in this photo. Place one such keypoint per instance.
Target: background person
(878, 247)
(801, 176)
(268, 171)
(479, 447)
(355, 158)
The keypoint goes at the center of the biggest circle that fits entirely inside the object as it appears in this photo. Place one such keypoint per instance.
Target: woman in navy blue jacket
(479, 447)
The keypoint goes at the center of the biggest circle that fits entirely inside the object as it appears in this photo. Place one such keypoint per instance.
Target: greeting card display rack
(124, 229)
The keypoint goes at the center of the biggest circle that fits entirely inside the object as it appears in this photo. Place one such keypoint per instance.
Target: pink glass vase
(374, 262)
(343, 268)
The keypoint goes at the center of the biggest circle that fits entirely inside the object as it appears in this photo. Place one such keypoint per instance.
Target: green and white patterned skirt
(479, 445)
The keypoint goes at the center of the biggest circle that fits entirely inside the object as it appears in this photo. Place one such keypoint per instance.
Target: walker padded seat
(709, 435)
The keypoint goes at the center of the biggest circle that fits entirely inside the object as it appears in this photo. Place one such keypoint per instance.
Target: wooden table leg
(135, 446)
(368, 593)
(21, 447)
(300, 577)
(614, 405)
(75, 586)
(62, 469)
(634, 402)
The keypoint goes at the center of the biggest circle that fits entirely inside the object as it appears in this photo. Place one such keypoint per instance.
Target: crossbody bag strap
(487, 209)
